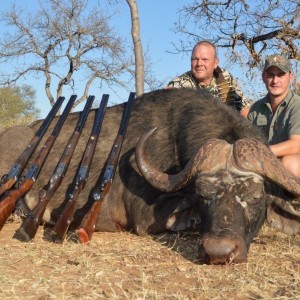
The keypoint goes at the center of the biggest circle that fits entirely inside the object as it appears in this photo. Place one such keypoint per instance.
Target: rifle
(105, 179)
(30, 225)
(8, 203)
(9, 179)
(62, 224)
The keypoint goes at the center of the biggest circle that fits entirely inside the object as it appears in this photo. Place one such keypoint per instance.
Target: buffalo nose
(214, 250)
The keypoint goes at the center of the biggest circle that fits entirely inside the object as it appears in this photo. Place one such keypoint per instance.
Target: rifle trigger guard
(4, 178)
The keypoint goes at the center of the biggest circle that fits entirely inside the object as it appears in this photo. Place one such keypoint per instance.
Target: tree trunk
(138, 51)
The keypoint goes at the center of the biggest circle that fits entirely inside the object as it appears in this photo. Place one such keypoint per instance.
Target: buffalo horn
(251, 155)
(212, 156)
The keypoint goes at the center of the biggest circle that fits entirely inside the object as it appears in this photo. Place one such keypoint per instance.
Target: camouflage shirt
(235, 95)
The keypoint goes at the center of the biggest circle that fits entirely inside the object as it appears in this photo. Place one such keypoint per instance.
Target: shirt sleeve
(294, 120)
(183, 81)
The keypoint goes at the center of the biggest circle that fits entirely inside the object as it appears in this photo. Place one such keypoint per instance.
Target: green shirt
(285, 121)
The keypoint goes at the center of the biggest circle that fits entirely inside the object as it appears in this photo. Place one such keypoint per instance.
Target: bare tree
(138, 50)
(245, 30)
(67, 43)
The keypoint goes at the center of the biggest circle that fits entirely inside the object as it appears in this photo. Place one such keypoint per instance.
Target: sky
(156, 20)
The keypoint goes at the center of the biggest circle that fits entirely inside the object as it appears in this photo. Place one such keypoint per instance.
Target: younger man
(278, 113)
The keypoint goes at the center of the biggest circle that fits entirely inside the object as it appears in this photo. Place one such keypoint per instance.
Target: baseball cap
(278, 61)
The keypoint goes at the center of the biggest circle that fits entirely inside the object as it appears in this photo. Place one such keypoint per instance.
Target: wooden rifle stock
(87, 226)
(64, 220)
(9, 179)
(8, 202)
(30, 225)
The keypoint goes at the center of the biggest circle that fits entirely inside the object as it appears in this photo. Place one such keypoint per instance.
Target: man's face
(277, 82)
(203, 63)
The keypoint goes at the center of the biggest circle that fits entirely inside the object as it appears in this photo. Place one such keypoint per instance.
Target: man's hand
(244, 112)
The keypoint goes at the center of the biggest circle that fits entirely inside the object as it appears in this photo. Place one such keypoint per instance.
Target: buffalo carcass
(188, 161)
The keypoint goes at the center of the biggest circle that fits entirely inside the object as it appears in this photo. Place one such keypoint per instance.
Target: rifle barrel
(31, 223)
(88, 224)
(18, 167)
(64, 220)
(8, 203)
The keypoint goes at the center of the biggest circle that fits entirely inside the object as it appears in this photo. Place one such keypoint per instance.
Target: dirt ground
(125, 266)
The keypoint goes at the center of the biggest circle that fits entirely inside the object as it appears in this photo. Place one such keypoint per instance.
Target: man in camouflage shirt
(205, 74)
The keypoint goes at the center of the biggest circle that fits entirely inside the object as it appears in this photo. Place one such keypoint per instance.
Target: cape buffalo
(188, 161)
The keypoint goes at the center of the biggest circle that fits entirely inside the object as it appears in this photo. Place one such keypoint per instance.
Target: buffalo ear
(282, 216)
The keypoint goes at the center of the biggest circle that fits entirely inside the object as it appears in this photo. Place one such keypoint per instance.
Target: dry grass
(125, 266)
(26, 120)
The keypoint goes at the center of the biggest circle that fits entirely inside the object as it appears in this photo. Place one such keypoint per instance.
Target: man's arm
(288, 147)
(245, 111)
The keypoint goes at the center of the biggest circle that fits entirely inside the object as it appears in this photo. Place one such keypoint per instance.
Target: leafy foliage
(17, 106)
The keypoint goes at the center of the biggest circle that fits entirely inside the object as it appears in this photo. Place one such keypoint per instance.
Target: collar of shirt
(284, 102)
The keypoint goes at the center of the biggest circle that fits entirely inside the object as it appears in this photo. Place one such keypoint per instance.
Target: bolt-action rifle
(30, 225)
(104, 182)
(65, 218)
(9, 179)
(8, 202)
